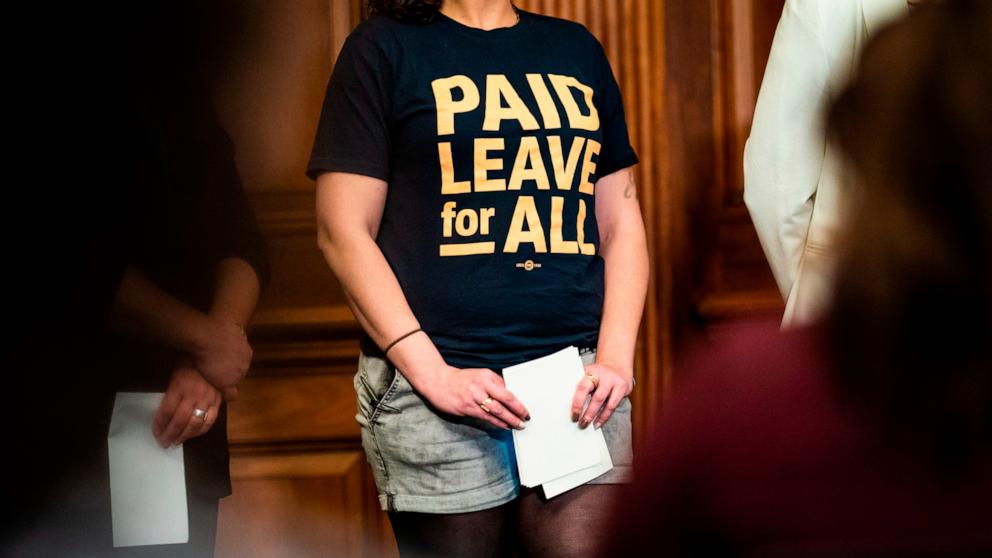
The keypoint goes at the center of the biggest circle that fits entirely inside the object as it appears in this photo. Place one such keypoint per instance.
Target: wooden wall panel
(273, 84)
(314, 408)
(300, 276)
(300, 506)
(718, 54)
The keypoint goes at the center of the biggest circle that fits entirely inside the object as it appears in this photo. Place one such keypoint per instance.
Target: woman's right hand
(175, 421)
(465, 391)
(349, 212)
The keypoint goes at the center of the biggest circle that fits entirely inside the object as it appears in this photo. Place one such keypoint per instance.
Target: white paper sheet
(552, 446)
(147, 483)
(562, 485)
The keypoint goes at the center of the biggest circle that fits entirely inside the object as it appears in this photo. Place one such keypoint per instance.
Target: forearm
(377, 300)
(236, 292)
(625, 255)
(143, 309)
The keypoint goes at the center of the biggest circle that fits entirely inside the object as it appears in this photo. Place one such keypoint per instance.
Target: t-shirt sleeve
(617, 153)
(230, 228)
(353, 133)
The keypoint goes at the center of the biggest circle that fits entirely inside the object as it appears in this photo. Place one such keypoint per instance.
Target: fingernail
(527, 418)
(575, 417)
(522, 426)
(583, 424)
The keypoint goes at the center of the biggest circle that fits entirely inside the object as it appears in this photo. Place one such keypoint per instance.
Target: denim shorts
(428, 462)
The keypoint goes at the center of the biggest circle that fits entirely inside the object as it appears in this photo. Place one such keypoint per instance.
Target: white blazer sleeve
(784, 155)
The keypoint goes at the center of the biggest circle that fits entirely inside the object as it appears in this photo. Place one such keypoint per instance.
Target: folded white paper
(552, 447)
(561, 485)
(147, 482)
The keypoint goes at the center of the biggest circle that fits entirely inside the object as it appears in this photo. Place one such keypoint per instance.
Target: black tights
(570, 525)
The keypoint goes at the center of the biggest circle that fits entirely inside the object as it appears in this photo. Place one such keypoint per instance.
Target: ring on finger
(200, 414)
(594, 379)
(488, 401)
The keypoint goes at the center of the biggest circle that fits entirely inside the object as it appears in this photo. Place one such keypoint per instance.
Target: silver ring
(200, 414)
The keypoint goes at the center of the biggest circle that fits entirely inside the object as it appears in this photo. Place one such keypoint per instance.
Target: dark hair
(414, 11)
(911, 325)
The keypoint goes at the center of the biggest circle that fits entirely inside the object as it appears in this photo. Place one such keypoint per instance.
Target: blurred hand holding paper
(552, 449)
(147, 482)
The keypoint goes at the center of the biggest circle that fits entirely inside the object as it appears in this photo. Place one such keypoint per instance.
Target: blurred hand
(462, 392)
(175, 421)
(224, 357)
(607, 391)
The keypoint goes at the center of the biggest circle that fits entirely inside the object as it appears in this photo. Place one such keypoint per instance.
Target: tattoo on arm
(631, 190)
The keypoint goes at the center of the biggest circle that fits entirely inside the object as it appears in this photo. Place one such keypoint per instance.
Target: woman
(476, 202)
(870, 435)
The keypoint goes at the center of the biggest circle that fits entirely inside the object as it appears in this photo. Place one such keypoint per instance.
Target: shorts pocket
(376, 384)
(618, 434)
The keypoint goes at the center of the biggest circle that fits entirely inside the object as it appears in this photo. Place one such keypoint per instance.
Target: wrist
(419, 361)
(429, 378)
(225, 315)
(401, 339)
(199, 335)
(623, 368)
(185, 361)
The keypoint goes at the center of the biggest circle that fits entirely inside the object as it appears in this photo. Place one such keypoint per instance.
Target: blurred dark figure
(870, 435)
(147, 268)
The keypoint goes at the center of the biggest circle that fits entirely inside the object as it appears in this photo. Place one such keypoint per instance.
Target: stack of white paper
(147, 483)
(552, 451)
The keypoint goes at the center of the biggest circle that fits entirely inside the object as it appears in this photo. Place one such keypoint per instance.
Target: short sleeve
(231, 227)
(353, 133)
(617, 153)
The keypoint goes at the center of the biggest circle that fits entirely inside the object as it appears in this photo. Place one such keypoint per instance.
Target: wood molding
(286, 212)
(329, 321)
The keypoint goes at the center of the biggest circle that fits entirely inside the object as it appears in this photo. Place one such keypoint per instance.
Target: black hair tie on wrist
(402, 337)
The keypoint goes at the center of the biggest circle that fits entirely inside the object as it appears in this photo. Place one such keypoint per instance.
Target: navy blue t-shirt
(491, 143)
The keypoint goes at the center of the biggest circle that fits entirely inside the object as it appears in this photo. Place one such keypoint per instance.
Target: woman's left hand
(608, 385)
